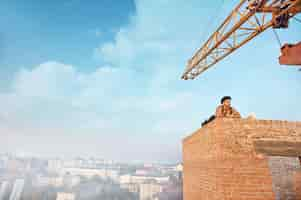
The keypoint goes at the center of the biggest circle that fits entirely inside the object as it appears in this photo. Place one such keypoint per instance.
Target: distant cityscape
(30, 178)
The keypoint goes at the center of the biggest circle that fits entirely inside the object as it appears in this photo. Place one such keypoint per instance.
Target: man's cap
(225, 98)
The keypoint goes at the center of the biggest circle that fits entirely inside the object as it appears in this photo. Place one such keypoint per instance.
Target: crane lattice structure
(248, 19)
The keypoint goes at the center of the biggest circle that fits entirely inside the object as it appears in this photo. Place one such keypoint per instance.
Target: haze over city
(102, 78)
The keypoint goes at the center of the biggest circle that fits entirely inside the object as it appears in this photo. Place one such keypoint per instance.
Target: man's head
(226, 100)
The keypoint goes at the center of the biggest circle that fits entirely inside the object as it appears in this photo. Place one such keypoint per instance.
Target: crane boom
(248, 19)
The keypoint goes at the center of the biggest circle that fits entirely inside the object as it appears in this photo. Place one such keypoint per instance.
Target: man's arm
(235, 113)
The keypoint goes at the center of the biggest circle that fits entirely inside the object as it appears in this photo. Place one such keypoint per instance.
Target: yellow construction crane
(248, 19)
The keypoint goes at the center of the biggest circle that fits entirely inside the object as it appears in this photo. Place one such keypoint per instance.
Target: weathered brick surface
(297, 184)
(220, 161)
(282, 170)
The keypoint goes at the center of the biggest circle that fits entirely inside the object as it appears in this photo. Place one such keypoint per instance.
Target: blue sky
(66, 31)
(102, 78)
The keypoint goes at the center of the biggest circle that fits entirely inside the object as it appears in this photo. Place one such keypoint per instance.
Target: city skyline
(102, 79)
(24, 177)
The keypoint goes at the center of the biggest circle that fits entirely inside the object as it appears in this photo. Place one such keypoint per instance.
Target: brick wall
(220, 161)
(297, 184)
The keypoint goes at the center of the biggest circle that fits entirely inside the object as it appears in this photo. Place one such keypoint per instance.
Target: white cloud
(50, 79)
(53, 100)
(151, 39)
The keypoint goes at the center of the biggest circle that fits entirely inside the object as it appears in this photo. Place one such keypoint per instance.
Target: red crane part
(290, 54)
